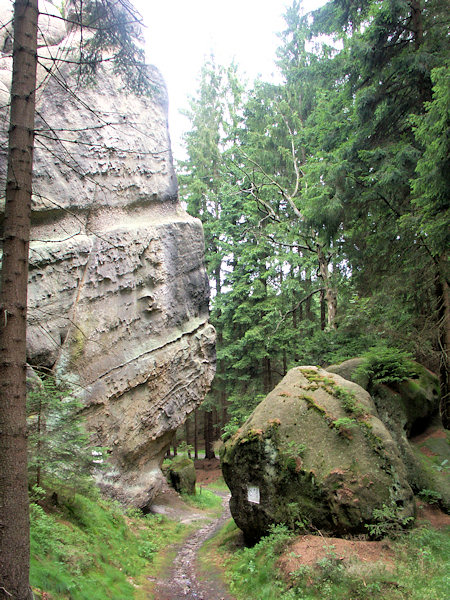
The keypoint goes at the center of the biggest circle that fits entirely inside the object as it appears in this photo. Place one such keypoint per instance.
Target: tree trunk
(208, 429)
(323, 317)
(187, 436)
(308, 302)
(267, 375)
(330, 292)
(195, 435)
(39, 442)
(224, 408)
(443, 310)
(417, 23)
(14, 515)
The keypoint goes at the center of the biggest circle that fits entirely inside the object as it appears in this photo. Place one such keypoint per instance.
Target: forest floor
(183, 580)
(309, 550)
(186, 580)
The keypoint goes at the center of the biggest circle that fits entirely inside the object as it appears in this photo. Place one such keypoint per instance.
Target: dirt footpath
(182, 582)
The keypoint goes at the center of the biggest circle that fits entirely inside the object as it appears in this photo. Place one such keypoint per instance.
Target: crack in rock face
(118, 291)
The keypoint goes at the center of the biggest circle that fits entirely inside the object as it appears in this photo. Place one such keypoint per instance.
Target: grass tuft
(89, 549)
(420, 569)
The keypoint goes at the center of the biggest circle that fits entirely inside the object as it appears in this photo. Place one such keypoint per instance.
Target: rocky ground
(182, 581)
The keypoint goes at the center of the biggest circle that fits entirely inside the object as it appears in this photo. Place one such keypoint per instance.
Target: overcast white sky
(180, 34)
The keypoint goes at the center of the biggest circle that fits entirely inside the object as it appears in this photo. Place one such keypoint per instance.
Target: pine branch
(298, 306)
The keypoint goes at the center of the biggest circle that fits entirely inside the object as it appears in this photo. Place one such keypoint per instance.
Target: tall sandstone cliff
(118, 293)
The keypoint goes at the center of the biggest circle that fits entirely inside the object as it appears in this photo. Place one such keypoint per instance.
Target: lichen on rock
(319, 457)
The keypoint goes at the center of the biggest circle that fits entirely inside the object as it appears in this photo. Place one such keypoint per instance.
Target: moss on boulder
(413, 403)
(313, 453)
(180, 473)
(407, 408)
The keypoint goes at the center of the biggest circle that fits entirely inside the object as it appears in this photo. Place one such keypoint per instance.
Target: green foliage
(185, 448)
(348, 400)
(443, 466)
(325, 192)
(252, 569)
(430, 496)
(230, 428)
(388, 522)
(115, 31)
(84, 547)
(386, 365)
(295, 449)
(203, 499)
(331, 567)
(430, 185)
(344, 423)
(418, 569)
(58, 445)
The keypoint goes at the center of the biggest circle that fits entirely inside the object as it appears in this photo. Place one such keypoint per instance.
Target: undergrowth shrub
(58, 444)
(253, 568)
(418, 569)
(386, 365)
(388, 522)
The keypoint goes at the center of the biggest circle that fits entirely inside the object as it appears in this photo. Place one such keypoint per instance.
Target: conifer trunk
(267, 375)
(323, 322)
(195, 434)
(187, 435)
(443, 310)
(330, 292)
(208, 429)
(224, 408)
(14, 515)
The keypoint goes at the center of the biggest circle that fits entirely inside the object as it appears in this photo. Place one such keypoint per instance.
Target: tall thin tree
(114, 25)
(14, 518)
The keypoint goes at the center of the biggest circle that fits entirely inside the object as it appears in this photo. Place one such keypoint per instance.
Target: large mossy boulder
(314, 453)
(180, 474)
(411, 404)
(406, 408)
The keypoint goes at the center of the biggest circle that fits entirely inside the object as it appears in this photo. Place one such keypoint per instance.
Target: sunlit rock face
(118, 293)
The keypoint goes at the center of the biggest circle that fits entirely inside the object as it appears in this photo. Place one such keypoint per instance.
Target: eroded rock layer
(118, 293)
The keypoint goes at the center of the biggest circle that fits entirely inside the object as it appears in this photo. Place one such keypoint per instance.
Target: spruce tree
(105, 17)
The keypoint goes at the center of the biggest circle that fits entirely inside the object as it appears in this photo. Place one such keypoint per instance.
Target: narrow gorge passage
(182, 581)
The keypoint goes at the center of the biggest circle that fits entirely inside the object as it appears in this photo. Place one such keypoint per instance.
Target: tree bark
(208, 428)
(224, 408)
(14, 512)
(187, 436)
(330, 292)
(323, 322)
(195, 434)
(443, 311)
(417, 23)
(308, 302)
(267, 375)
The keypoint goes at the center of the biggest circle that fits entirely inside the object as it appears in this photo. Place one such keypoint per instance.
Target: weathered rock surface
(314, 451)
(118, 293)
(410, 405)
(180, 474)
(407, 408)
